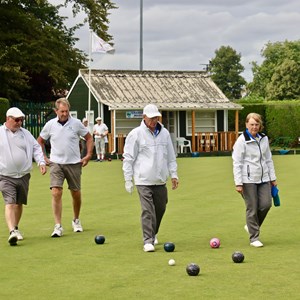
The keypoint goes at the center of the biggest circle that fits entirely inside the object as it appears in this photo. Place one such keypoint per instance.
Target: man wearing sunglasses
(17, 148)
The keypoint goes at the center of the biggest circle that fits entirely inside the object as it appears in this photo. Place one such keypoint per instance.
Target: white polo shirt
(64, 140)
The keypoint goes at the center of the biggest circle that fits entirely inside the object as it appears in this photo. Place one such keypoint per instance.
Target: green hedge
(281, 120)
(248, 108)
(4, 106)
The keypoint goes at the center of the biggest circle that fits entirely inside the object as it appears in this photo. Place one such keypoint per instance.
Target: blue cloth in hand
(275, 195)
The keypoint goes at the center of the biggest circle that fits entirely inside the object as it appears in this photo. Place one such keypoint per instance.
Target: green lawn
(204, 206)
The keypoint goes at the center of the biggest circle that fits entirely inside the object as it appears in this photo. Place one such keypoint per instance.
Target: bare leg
(13, 213)
(76, 195)
(57, 204)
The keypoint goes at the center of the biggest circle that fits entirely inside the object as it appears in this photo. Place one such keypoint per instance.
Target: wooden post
(113, 138)
(193, 131)
(236, 124)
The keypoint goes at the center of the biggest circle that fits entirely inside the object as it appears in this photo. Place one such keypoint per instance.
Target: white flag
(100, 46)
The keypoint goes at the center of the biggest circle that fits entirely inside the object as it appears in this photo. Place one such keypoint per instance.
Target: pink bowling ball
(215, 243)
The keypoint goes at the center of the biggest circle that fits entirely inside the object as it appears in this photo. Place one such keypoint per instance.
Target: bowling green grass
(204, 206)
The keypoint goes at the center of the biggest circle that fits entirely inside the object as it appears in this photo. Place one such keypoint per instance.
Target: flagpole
(90, 71)
(96, 44)
(141, 35)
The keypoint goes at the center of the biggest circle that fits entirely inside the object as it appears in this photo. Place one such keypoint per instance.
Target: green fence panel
(36, 115)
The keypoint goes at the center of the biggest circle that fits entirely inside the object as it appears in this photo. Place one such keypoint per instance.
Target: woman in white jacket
(254, 174)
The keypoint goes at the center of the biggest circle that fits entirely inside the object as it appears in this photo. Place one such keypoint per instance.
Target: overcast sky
(184, 34)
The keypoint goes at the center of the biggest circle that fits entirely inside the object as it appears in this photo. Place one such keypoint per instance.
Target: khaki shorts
(14, 190)
(70, 172)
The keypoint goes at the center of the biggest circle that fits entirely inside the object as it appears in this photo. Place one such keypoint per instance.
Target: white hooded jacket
(149, 159)
(252, 160)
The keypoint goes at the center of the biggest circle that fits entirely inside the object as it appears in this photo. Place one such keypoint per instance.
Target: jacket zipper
(260, 159)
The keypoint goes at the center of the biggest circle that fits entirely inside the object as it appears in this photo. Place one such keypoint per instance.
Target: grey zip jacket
(252, 160)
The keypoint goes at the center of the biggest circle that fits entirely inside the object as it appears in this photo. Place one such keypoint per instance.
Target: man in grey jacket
(149, 159)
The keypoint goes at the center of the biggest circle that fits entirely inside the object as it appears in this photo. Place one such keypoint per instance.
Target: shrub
(281, 120)
(4, 106)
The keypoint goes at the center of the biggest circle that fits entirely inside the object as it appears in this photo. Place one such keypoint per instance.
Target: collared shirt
(256, 138)
(64, 140)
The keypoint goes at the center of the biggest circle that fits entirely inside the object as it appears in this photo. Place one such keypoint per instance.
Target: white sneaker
(58, 231)
(19, 235)
(155, 241)
(257, 244)
(149, 248)
(246, 228)
(13, 238)
(77, 226)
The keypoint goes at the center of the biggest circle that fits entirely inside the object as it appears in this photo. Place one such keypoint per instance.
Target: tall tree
(37, 50)
(97, 12)
(226, 68)
(278, 77)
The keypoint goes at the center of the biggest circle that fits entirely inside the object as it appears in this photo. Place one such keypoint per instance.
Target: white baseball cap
(98, 119)
(84, 120)
(151, 111)
(14, 112)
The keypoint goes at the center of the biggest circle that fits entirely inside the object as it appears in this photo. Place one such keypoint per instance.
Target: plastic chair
(183, 143)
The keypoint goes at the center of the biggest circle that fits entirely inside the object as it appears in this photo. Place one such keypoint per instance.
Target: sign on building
(134, 114)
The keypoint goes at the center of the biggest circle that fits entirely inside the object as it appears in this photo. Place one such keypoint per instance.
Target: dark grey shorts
(70, 172)
(15, 190)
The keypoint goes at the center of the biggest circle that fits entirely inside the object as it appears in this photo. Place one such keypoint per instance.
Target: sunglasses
(17, 120)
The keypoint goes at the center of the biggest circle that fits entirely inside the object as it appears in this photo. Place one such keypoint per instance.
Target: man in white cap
(17, 148)
(100, 132)
(149, 159)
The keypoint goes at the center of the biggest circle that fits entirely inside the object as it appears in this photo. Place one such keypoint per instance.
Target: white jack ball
(171, 262)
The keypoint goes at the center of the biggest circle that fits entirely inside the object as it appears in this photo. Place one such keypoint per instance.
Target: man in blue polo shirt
(64, 133)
